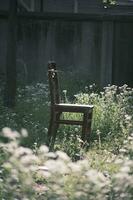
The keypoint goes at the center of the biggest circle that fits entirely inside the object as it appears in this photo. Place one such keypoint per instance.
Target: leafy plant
(112, 112)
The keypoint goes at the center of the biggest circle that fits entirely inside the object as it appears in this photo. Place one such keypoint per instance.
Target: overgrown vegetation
(112, 2)
(103, 171)
(40, 174)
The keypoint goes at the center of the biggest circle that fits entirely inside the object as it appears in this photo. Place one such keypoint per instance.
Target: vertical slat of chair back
(53, 83)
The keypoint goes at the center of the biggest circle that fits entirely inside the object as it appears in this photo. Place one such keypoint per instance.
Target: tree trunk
(10, 87)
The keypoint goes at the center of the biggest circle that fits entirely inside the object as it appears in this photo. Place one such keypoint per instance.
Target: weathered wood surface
(57, 109)
(90, 42)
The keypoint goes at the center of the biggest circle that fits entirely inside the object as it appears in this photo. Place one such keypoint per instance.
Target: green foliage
(31, 113)
(112, 117)
(112, 2)
(112, 112)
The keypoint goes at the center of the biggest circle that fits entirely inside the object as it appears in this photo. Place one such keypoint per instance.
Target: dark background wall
(98, 51)
(75, 46)
(123, 54)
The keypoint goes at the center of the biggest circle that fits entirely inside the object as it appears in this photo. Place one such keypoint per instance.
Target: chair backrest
(53, 83)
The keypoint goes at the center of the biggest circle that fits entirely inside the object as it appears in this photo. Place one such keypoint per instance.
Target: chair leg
(86, 128)
(53, 128)
(50, 129)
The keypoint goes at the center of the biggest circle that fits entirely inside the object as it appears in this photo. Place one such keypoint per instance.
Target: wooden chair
(58, 108)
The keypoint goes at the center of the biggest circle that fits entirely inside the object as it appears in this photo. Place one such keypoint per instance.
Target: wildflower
(125, 169)
(24, 133)
(43, 149)
(7, 132)
(40, 188)
(57, 166)
(74, 167)
(29, 159)
(127, 117)
(76, 129)
(7, 165)
(46, 130)
(91, 87)
(122, 150)
(64, 91)
(63, 156)
(130, 138)
(119, 161)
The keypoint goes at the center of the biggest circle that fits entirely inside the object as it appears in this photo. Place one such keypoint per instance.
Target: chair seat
(63, 107)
